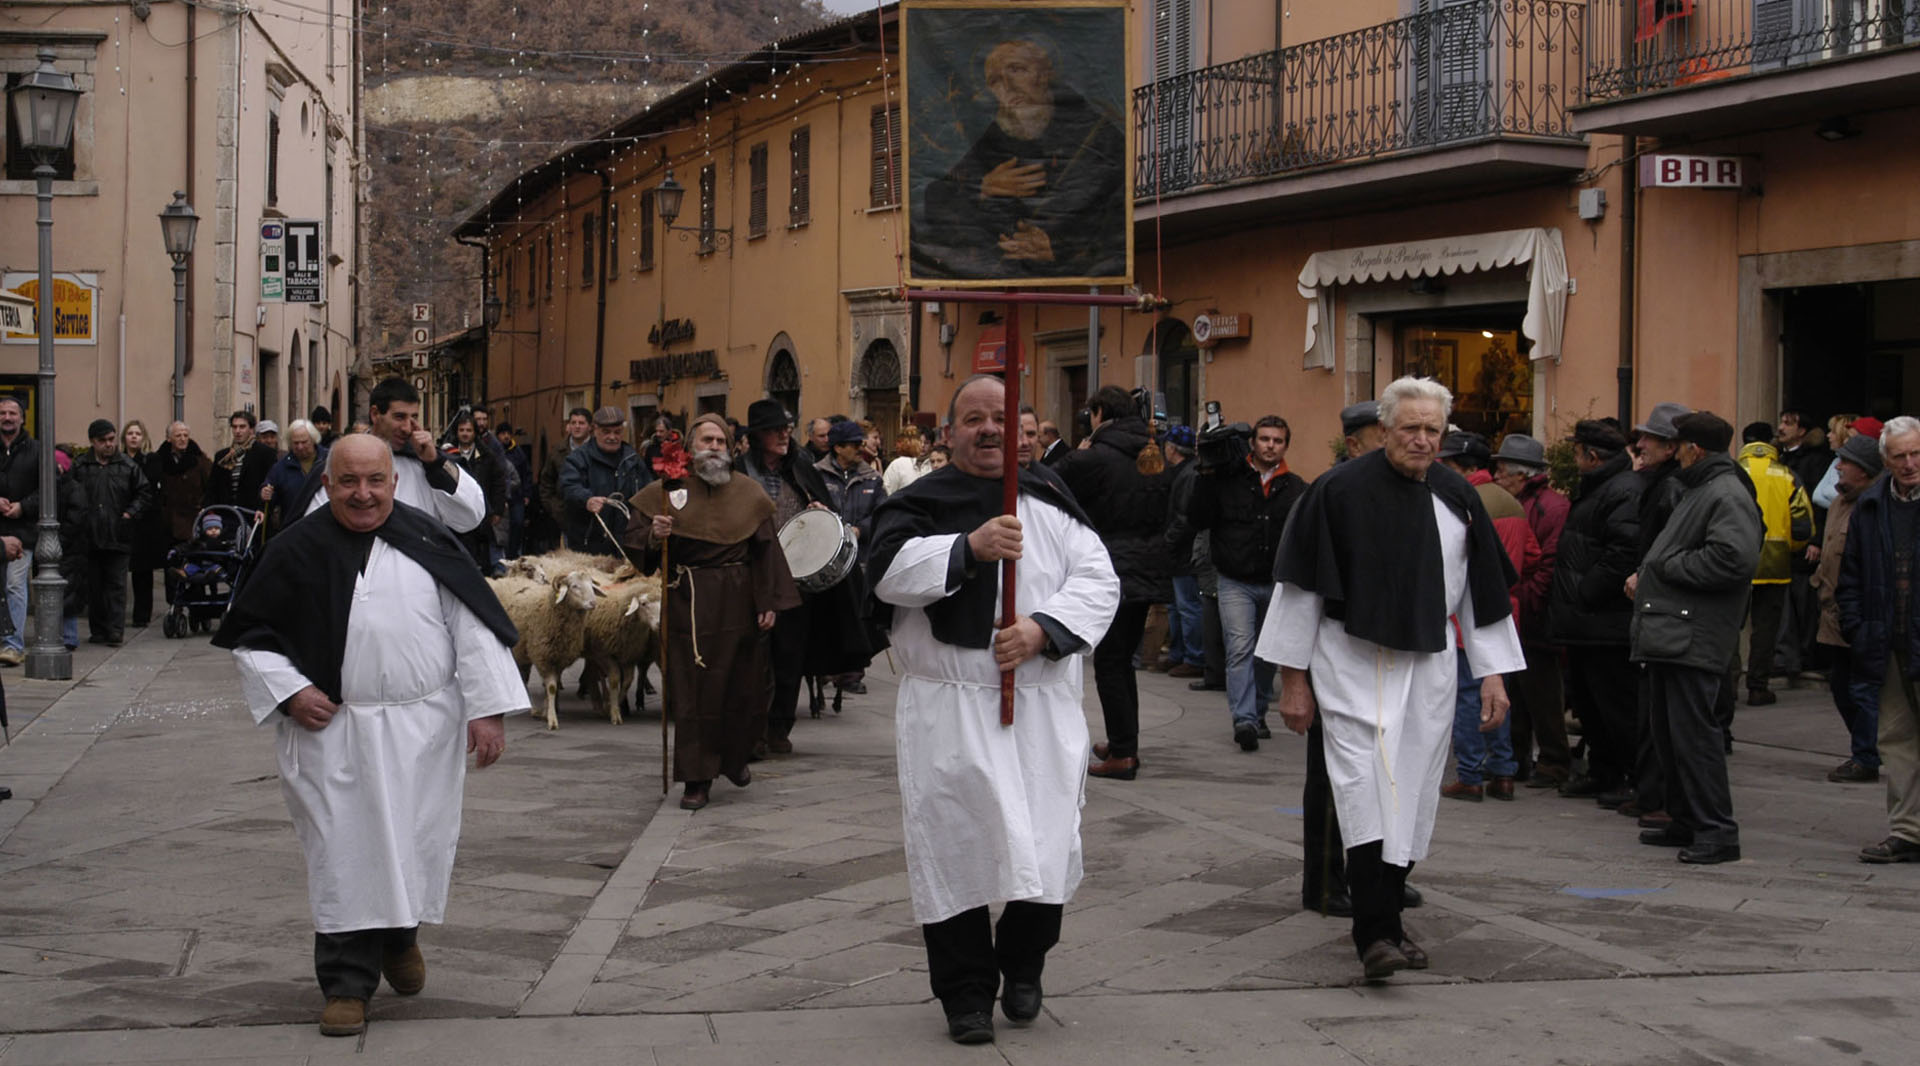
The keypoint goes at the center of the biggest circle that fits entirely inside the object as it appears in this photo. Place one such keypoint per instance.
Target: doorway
(269, 378)
(1179, 359)
(1480, 355)
(1851, 349)
(880, 382)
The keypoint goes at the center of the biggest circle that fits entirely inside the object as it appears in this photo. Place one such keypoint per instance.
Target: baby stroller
(202, 573)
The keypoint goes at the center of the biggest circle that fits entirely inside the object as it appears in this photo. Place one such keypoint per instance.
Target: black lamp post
(668, 195)
(177, 224)
(43, 104)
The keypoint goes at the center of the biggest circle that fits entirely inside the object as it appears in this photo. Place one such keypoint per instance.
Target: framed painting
(1018, 143)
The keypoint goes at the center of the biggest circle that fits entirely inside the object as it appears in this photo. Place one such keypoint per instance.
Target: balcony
(1288, 129)
(1675, 68)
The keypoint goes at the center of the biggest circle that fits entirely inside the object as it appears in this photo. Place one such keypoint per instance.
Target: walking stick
(671, 466)
(1010, 494)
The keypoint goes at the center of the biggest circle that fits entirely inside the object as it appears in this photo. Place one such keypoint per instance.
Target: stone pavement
(153, 906)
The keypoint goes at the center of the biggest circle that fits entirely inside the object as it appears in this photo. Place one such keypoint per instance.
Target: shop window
(1482, 362)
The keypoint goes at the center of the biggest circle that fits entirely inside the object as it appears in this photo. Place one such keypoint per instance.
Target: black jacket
(1180, 533)
(254, 465)
(1599, 547)
(1697, 576)
(856, 494)
(1128, 508)
(1866, 595)
(20, 482)
(1245, 517)
(1660, 493)
(105, 491)
(588, 472)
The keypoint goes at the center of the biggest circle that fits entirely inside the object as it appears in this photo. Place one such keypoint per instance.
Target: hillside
(460, 97)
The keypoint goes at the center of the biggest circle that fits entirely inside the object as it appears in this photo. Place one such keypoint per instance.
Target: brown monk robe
(727, 570)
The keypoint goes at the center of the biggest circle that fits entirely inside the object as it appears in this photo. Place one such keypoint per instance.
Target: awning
(1546, 315)
(16, 314)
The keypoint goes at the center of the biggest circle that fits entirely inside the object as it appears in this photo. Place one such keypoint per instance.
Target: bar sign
(1692, 172)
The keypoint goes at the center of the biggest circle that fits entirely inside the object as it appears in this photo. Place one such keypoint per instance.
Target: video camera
(1221, 445)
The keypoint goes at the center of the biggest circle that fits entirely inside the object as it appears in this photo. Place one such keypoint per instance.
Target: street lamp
(668, 196)
(490, 312)
(43, 103)
(177, 223)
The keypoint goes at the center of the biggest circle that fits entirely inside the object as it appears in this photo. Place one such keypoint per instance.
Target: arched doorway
(880, 384)
(1179, 371)
(783, 381)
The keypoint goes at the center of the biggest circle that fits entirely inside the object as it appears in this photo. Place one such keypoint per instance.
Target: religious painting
(1018, 158)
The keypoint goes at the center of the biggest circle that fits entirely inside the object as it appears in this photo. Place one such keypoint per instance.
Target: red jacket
(1516, 535)
(1547, 514)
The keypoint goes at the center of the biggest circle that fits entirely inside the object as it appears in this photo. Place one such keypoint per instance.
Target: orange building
(1560, 209)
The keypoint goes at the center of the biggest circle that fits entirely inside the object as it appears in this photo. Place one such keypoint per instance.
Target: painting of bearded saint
(1017, 160)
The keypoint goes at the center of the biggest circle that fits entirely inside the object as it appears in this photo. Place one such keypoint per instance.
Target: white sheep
(620, 639)
(551, 618)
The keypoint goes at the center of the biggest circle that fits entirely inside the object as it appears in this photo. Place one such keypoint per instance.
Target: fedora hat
(1523, 450)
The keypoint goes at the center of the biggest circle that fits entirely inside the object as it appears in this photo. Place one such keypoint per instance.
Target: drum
(820, 549)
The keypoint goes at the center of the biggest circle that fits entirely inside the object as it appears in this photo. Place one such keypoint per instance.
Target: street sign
(306, 279)
(420, 360)
(273, 267)
(422, 336)
(422, 313)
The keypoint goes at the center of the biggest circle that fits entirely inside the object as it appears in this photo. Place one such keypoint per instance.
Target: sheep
(529, 567)
(620, 639)
(551, 618)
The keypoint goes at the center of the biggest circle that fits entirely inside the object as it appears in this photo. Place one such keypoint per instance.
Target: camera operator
(1242, 495)
(1120, 478)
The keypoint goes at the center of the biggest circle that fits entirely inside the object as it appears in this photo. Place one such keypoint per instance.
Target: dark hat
(1597, 434)
(1359, 416)
(843, 433)
(1757, 433)
(768, 414)
(1523, 450)
(320, 414)
(99, 428)
(609, 416)
(1659, 421)
(1863, 452)
(1180, 436)
(1706, 429)
(1460, 444)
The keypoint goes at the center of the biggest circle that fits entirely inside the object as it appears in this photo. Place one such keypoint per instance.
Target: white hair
(301, 425)
(1898, 426)
(1412, 388)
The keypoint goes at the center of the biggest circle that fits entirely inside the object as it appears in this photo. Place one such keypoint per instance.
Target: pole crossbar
(1140, 302)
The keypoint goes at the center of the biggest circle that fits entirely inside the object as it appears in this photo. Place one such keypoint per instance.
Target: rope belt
(693, 603)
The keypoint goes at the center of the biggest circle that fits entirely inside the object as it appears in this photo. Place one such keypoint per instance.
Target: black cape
(950, 501)
(297, 599)
(1364, 539)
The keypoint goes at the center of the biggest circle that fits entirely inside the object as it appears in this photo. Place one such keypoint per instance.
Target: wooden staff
(1010, 493)
(666, 603)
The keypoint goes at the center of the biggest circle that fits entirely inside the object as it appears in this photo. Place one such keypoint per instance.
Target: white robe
(993, 813)
(1387, 715)
(375, 796)
(461, 510)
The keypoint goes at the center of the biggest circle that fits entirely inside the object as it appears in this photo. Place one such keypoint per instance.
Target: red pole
(1010, 492)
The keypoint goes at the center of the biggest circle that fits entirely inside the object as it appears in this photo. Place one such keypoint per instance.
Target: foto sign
(421, 313)
(306, 278)
(420, 337)
(1667, 171)
(273, 264)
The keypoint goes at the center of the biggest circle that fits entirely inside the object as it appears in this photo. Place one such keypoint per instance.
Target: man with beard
(728, 583)
(1041, 192)
(423, 477)
(992, 811)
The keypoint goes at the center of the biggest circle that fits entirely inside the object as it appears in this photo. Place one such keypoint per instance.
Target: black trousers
(967, 955)
(1114, 679)
(1691, 747)
(789, 653)
(348, 964)
(1214, 641)
(1649, 783)
(1379, 889)
(142, 581)
(107, 594)
(1324, 872)
(1764, 611)
(1539, 713)
(1600, 682)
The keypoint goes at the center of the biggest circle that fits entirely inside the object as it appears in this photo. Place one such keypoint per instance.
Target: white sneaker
(12, 657)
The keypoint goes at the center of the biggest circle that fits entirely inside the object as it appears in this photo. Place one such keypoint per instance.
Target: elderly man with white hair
(1388, 563)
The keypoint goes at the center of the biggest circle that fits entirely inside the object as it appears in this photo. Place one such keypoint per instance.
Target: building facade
(249, 110)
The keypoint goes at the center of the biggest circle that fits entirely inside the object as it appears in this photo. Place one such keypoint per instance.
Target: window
(613, 240)
(273, 153)
(588, 228)
(646, 230)
(884, 174)
(706, 209)
(799, 195)
(329, 201)
(757, 190)
(549, 264)
(507, 290)
(533, 272)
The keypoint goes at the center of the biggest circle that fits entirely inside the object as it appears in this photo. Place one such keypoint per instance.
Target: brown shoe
(406, 971)
(1500, 788)
(695, 797)
(1458, 791)
(1121, 769)
(780, 745)
(343, 1017)
(1383, 959)
(1185, 670)
(741, 778)
(1101, 750)
(1416, 955)
(1655, 820)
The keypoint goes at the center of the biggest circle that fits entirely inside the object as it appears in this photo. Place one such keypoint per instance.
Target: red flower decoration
(671, 463)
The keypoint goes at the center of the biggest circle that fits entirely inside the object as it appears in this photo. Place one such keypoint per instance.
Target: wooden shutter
(757, 190)
(883, 184)
(799, 192)
(646, 230)
(613, 240)
(588, 232)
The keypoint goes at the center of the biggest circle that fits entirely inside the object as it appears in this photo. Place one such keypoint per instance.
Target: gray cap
(609, 416)
(1359, 416)
(1863, 452)
(1523, 450)
(266, 425)
(1659, 421)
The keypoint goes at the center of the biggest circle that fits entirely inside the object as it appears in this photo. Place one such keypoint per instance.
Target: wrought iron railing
(1465, 72)
(1636, 46)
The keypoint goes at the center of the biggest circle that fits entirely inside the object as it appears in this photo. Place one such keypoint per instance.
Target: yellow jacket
(1784, 507)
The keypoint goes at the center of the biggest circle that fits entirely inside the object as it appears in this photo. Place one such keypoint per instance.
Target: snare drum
(820, 549)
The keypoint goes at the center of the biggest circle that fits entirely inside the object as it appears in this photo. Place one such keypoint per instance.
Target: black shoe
(5, 793)
(1410, 897)
(1852, 772)
(1248, 737)
(1339, 905)
(1202, 686)
(1383, 959)
(96, 638)
(1262, 730)
(1614, 798)
(1581, 786)
(1892, 849)
(1709, 854)
(1668, 836)
(1761, 697)
(1020, 1001)
(973, 1027)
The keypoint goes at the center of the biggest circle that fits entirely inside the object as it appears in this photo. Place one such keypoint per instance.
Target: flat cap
(1359, 416)
(846, 433)
(1863, 452)
(1597, 434)
(609, 416)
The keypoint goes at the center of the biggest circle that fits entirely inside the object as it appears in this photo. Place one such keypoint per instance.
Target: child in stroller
(201, 573)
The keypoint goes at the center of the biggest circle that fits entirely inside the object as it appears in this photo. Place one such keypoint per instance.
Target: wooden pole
(666, 604)
(1010, 494)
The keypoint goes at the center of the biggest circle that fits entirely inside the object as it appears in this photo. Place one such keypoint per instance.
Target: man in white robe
(423, 476)
(1381, 559)
(368, 638)
(992, 812)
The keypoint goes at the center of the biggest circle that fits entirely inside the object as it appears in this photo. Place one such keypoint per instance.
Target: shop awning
(16, 314)
(1540, 248)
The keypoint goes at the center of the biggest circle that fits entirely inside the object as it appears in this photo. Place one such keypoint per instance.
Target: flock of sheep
(568, 607)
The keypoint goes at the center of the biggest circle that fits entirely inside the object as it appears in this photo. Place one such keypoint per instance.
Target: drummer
(857, 489)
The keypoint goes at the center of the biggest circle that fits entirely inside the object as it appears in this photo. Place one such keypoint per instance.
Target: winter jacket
(1599, 547)
(489, 469)
(1128, 507)
(1660, 493)
(855, 494)
(550, 500)
(520, 484)
(1784, 505)
(1865, 594)
(180, 487)
(150, 537)
(106, 491)
(1695, 580)
(1245, 517)
(1826, 576)
(1516, 534)
(253, 462)
(1547, 516)
(588, 472)
(1180, 533)
(293, 490)
(20, 482)
(1809, 462)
